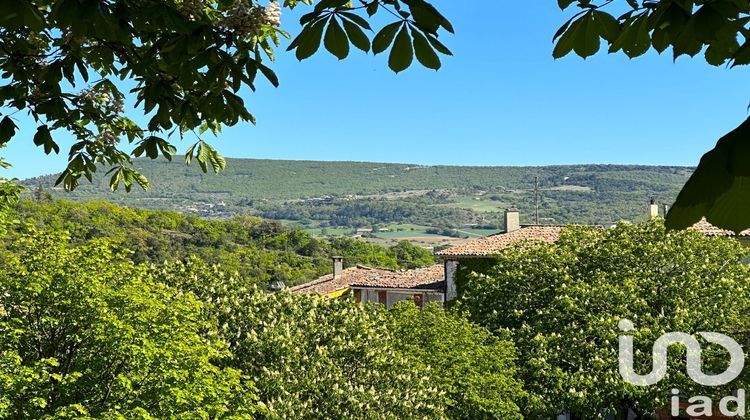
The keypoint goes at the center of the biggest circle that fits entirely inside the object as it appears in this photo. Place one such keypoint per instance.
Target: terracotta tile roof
(490, 245)
(421, 278)
(710, 230)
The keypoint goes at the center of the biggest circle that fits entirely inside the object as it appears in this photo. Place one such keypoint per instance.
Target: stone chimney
(512, 220)
(653, 209)
(338, 265)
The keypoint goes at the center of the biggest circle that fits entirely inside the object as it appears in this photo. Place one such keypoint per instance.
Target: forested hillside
(259, 250)
(357, 194)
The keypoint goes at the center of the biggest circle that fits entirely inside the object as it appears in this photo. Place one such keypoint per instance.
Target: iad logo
(659, 355)
(700, 405)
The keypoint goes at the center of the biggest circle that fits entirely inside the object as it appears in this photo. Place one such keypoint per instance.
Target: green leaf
(438, 45)
(152, 145)
(660, 40)
(587, 41)
(167, 149)
(336, 41)
(609, 28)
(708, 23)
(402, 53)
(564, 4)
(7, 130)
(43, 138)
(308, 41)
(742, 55)
(330, 4)
(189, 153)
(356, 36)
(116, 178)
(425, 16)
(424, 52)
(206, 156)
(566, 41)
(384, 38)
(715, 56)
(309, 17)
(359, 20)
(563, 29)
(18, 14)
(719, 189)
(372, 8)
(687, 42)
(634, 40)
(269, 74)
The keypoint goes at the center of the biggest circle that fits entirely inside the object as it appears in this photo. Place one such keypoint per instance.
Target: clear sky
(501, 100)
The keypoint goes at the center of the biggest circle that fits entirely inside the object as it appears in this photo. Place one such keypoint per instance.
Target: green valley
(427, 204)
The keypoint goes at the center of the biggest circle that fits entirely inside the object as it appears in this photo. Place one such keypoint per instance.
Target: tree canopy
(311, 357)
(717, 29)
(476, 370)
(561, 304)
(69, 63)
(86, 333)
(261, 250)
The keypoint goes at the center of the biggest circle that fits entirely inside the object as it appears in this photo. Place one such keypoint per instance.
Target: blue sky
(501, 100)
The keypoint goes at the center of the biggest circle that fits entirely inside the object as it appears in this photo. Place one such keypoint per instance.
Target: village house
(475, 253)
(432, 284)
(710, 230)
(377, 285)
(363, 231)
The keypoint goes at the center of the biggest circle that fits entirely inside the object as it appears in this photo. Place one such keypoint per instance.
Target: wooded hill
(261, 251)
(356, 194)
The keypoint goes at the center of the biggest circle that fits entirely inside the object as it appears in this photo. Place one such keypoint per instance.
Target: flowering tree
(311, 357)
(186, 60)
(561, 305)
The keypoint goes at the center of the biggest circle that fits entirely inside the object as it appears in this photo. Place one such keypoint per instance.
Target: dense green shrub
(411, 256)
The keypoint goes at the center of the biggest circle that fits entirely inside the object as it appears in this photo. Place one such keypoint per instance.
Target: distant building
(377, 285)
(710, 230)
(364, 231)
